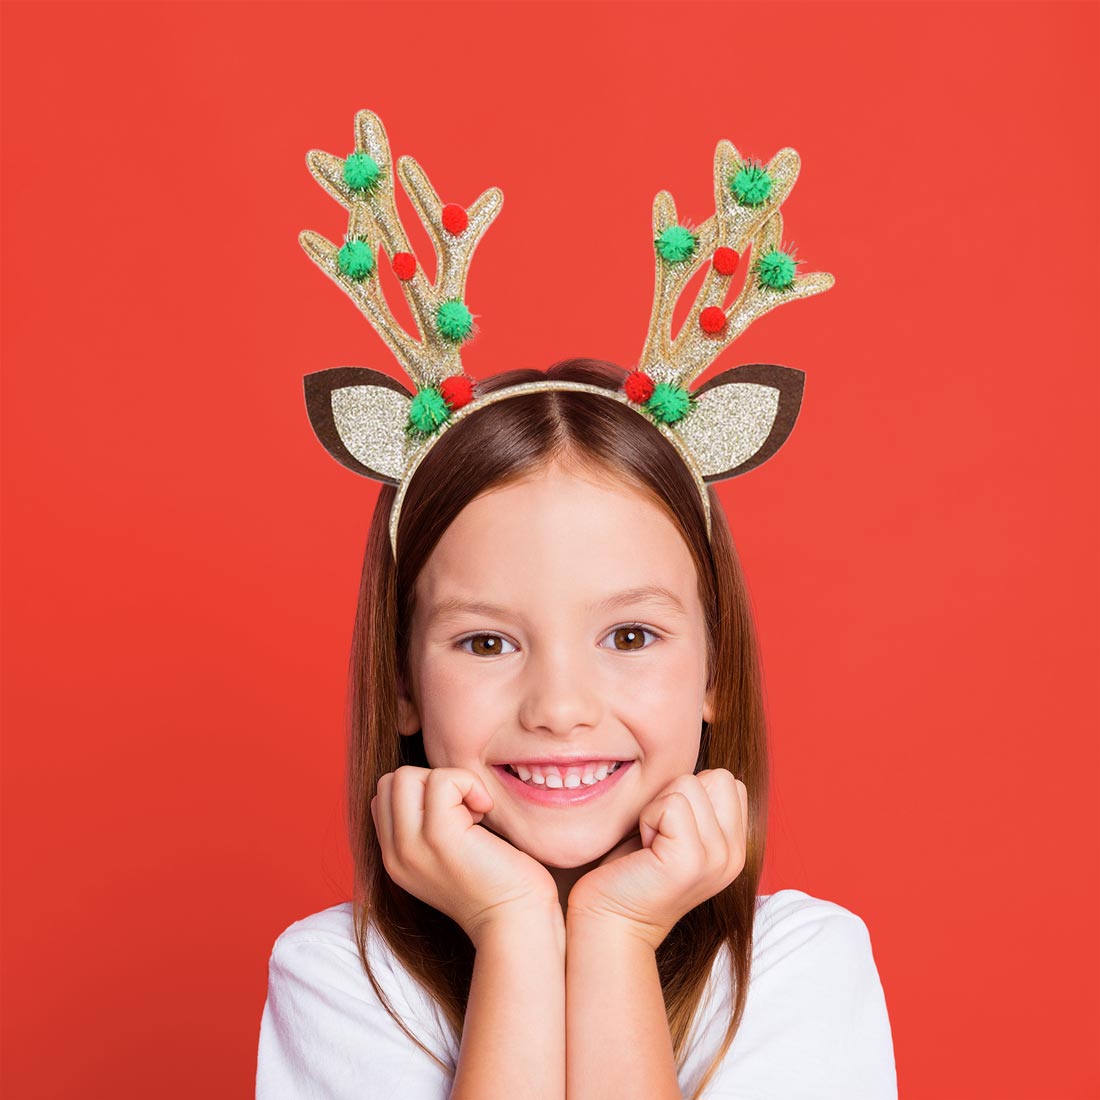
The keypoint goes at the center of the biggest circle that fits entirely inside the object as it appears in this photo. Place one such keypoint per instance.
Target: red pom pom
(458, 390)
(454, 218)
(404, 265)
(639, 387)
(725, 261)
(712, 319)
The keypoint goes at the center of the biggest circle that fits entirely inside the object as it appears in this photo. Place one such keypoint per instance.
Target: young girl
(557, 783)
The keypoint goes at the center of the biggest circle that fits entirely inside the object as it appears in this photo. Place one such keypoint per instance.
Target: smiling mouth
(541, 794)
(573, 781)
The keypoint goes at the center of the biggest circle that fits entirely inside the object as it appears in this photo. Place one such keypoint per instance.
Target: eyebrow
(645, 593)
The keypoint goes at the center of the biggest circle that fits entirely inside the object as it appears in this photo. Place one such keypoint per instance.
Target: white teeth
(555, 778)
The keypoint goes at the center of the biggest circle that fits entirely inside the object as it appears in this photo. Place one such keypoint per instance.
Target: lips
(562, 796)
(566, 761)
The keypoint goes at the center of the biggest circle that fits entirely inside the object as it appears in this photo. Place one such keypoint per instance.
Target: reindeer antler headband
(370, 423)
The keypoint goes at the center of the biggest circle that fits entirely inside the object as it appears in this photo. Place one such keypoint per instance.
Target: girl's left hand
(690, 844)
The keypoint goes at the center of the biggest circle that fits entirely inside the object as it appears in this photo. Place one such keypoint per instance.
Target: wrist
(522, 922)
(608, 927)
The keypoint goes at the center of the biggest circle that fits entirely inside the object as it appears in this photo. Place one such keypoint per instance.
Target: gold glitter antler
(345, 400)
(747, 201)
(371, 424)
(741, 417)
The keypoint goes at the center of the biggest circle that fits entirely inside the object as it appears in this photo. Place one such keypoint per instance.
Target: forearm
(513, 1036)
(616, 1031)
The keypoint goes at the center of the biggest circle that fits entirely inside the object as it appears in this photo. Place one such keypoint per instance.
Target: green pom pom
(428, 410)
(776, 269)
(454, 320)
(361, 172)
(752, 185)
(668, 403)
(355, 259)
(676, 243)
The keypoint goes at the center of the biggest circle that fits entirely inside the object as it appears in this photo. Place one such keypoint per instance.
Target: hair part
(492, 447)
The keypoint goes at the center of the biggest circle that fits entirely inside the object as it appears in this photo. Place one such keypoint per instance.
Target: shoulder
(321, 948)
(322, 943)
(797, 904)
(813, 947)
(806, 951)
(315, 960)
(794, 916)
(325, 1029)
(320, 953)
(816, 1002)
(333, 925)
(815, 1025)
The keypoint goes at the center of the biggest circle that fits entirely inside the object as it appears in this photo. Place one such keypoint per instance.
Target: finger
(712, 837)
(446, 798)
(408, 808)
(729, 798)
(382, 809)
(669, 822)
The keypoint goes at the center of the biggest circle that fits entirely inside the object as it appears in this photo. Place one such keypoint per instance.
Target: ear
(408, 715)
(708, 705)
(359, 416)
(742, 417)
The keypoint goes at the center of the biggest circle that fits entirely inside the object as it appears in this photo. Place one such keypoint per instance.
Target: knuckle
(400, 851)
(435, 830)
(736, 861)
(674, 792)
(725, 853)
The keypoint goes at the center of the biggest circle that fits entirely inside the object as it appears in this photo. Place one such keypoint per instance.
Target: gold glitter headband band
(371, 424)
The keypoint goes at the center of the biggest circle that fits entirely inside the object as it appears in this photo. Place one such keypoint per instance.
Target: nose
(560, 690)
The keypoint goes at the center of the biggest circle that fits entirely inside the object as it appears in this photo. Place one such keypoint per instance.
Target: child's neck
(566, 878)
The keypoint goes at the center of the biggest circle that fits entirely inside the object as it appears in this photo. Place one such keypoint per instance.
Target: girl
(557, 786)
(543, 509)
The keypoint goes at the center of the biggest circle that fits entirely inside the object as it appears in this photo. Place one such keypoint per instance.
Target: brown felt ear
(359, 415)
(741, 418)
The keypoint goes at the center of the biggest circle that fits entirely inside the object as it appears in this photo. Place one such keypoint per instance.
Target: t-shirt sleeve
(816, 1026)
(325, 1035)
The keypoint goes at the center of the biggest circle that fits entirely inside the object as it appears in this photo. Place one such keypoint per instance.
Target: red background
(181, 556)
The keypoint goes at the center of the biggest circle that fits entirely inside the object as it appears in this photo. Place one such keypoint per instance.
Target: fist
(690, 844)
(427, 822)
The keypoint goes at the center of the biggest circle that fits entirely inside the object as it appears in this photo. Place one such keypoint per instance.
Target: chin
(567, 855)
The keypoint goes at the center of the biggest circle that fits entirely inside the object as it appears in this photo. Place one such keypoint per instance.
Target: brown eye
(485, 645)
(631, 636)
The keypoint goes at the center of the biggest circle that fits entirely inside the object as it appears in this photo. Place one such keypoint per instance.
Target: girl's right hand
(427, 821)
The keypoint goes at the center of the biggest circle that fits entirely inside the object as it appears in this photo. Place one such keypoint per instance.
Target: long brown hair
(494, 445)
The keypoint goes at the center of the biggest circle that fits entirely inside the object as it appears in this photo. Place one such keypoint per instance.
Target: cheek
(663, 711)
(459, 714)
(671, 686)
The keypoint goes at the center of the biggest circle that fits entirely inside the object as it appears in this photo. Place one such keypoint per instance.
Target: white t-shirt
(815, 1023)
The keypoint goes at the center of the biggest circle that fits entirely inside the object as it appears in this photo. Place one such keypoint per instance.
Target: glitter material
(537, 387)
(735, 226)
(370, 421)
(739, 419)
(729, 425)
(372, 216)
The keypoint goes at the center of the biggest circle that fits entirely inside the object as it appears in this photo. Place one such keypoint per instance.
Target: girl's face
(552, 663)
